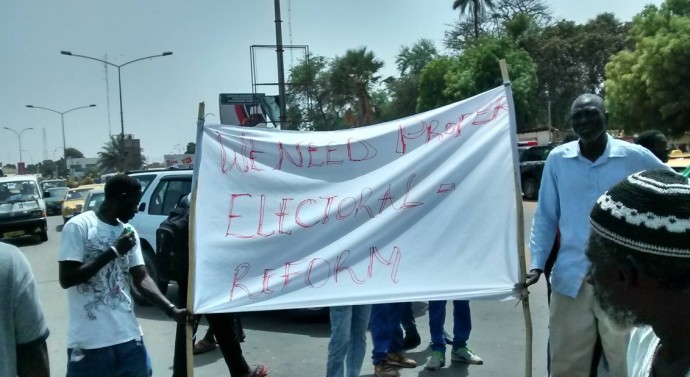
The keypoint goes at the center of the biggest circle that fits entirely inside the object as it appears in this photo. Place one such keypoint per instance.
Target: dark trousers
(407, 320)
(226, 330)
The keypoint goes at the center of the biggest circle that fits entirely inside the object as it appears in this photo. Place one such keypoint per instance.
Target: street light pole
(119, 77)
(62, 122)
(19, 137)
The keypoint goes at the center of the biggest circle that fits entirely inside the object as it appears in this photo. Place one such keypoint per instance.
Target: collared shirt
(570, 186)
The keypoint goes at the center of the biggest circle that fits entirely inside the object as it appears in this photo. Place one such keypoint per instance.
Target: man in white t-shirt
(639, 246)
(99, 254)
(23, 330)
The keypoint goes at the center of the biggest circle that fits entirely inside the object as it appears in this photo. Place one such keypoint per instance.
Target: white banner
(421, 208)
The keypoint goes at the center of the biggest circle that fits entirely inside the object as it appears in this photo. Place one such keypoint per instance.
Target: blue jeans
(407, 320)
(128, 359)
(386, 333)
(348, 340)
(462, 324)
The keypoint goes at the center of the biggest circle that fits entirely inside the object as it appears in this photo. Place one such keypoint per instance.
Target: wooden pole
(524, 293)
(189, 330)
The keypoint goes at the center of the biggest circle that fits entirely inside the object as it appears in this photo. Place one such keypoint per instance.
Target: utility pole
(281, 69)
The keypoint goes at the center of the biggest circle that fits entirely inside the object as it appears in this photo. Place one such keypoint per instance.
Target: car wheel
(44, 236)
(153, 273)
(530, 188)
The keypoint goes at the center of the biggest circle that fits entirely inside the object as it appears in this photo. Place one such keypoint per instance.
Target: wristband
(169, 310)
(114, 249)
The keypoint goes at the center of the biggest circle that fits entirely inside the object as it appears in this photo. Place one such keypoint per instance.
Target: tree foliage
(73, 153)
(113, 157)
(647, 84)
(477, 70)
(191, 148)
(477, 8)
(330, 95)
(351, 80)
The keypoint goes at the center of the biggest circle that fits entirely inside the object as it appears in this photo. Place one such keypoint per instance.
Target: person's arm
(31, 331)
(148, 288)
(73, 272)
(545, 222)
(32, 359)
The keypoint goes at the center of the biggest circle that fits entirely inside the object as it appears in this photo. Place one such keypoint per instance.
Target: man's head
(639, 246)
(588, 117)
(122, 194)
(655, 141)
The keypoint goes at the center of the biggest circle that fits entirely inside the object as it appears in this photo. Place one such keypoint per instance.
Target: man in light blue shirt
(575, 175)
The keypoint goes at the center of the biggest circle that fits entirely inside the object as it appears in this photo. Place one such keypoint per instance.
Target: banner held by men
(421, 208)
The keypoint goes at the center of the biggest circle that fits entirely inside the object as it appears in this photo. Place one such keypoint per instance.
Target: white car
(161, 191)
(22, 209)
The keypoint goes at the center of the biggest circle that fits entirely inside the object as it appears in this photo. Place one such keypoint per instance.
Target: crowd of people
(620, 277)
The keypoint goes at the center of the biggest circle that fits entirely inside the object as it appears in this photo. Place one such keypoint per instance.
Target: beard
(621, 318)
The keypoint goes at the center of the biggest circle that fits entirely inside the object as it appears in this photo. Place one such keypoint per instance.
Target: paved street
(293, 347)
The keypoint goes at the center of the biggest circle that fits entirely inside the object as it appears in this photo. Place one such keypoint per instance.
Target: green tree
(477, 70)
(73, 153)
(433, 82)
(113, 158)
(310, 101)
(352, 79)
(155, 165)
(191, 148)
(647, 84)
(48, 168)
(477, 7)
(411, 60)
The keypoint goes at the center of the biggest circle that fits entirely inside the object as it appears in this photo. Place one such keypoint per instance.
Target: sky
(210, 41)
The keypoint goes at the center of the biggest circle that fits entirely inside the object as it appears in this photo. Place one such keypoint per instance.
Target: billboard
(180, 161)
(249, 110)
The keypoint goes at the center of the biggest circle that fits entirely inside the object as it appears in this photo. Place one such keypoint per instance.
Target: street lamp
(19, 136)
(62, 120)
(119, 79)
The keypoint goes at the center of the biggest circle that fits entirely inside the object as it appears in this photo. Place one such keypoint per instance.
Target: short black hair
(648, 138)
(122, 185)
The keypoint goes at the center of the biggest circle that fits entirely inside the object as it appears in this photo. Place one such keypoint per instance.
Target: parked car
(75, 200)
(22, 209)
(161, 191)
(532, 160)
(54, 201)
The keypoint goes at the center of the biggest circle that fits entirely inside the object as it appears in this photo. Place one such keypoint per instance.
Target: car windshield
(58, 192)
(52, 184)
(77, 194)
(18, 191)
(95, 201)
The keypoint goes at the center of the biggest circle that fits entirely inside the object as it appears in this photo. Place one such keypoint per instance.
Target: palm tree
(116, 157)
(477, 6)
(352, 77)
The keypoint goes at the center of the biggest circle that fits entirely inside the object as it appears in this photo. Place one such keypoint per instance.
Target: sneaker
(399, 360)
(385, 370)
(465, 355)
(437, 360)
(411, 340)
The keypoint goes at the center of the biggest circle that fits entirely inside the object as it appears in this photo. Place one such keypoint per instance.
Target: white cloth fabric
(101, 310)
(641, 350)
(21, 316)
